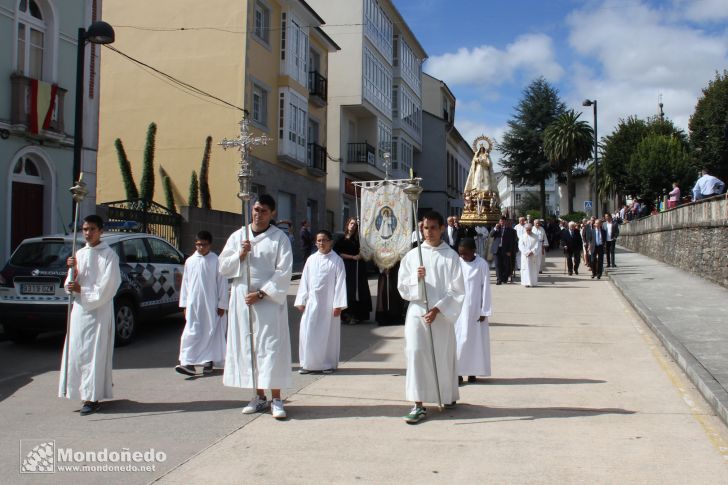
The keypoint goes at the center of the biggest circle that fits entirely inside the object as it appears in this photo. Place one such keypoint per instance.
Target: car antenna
(60, 215)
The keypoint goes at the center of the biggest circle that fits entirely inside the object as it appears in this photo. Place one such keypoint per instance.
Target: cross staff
(244, 143)
(79, 192)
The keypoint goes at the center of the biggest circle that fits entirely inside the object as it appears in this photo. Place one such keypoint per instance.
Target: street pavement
(581, 392)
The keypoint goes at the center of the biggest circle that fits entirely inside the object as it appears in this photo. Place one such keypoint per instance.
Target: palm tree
(567, 143)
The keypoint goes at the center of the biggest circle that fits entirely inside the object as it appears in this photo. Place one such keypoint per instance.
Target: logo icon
(35, 272)
(37, 456)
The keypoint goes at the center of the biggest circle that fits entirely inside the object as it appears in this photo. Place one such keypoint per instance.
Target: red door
(27, 212)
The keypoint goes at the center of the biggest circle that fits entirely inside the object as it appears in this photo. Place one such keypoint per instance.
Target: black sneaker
(471, 379)
(207, 369)
(451, 405)
(90, 407)
(188, 370)
(460, 378)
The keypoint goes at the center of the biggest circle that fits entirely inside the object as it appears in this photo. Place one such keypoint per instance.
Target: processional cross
(244, 143)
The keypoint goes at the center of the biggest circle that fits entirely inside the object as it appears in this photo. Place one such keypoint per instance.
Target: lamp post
(589, 102)
(98, 33)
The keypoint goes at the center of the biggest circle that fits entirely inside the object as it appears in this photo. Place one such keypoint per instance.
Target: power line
(177, 82)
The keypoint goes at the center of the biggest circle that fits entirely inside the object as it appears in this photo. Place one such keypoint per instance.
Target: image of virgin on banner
(386, 223)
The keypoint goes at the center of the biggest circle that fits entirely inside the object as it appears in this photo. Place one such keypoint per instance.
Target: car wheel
(20, 336)
(125, 318)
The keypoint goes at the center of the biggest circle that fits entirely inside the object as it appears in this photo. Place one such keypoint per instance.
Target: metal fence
(150, 217)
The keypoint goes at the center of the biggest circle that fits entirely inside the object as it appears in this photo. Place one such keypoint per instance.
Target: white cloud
(532, 54)
(703, 10)
(632, 55)
(471, 129)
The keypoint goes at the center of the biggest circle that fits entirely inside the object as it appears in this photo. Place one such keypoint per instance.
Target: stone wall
(693, 237)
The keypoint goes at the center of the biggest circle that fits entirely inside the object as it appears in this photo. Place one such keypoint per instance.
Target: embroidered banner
(386, 223)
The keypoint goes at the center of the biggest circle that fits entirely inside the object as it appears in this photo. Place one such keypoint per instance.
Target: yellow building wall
(133, 96)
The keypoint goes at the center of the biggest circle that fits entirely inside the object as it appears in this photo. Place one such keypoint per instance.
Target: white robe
(529, 264)
(91, 339)
(270, 271)
(520, 231)
(543, 242)
(445, 290)
(473, 336)
(203, 291)
(321, 289)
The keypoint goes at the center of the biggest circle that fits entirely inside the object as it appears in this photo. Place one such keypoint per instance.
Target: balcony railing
(21, 100)
(317, 157)
(317, 85)
(361, 153)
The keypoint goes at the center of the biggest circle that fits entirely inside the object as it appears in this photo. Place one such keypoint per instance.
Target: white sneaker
(256, 405)
(276, 407)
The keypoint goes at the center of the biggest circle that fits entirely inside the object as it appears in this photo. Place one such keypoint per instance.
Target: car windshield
(42, 254)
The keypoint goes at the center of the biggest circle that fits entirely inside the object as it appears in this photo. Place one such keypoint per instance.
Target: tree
(194, 198)
(147, 185)
(125, 166)
(524, 158)
(568, 143)
(709, 127)
(204, 168)
(168, 193)
(658, 161)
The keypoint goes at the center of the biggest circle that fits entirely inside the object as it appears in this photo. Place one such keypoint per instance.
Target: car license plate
(37, 288)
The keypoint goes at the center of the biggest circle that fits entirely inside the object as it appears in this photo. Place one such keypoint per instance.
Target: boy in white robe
(529, 246)
(321, 297)
(93, 278)
(204, 296)
(471, 330)
(269, 255)
(442, 278)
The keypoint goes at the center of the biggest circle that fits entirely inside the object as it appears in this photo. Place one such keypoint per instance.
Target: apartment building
(375, 98)
(446, 156)
(38, 86)
(269, 57)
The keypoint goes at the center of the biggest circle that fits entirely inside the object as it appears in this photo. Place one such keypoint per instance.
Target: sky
(626, 54)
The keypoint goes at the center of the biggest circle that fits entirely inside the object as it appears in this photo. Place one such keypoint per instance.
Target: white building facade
(375, 98)
(39, 39)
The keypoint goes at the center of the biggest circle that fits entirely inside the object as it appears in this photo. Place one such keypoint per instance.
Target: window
(284, 206)
(377, 83)
(395, 153)
(294, 48)
(135, 251)
(410, 65)
(163, 252)
(293, 125)
(313, 131)
(410, 109)
(385, 139)
(260, 105)
(518, 198)
(31, 39)
(379, 29)
(262, 22)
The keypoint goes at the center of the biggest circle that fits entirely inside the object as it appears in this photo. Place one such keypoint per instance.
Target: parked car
(33, 299)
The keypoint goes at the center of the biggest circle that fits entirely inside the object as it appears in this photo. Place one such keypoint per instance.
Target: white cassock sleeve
(451, 304)
(302, 293)
(486, 309)
(223, 291)
(229, 259)
(185, 288)
(340, 289)
(277, 287)
(407, 281)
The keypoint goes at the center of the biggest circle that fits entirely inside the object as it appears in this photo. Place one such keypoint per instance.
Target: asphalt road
(153, 406)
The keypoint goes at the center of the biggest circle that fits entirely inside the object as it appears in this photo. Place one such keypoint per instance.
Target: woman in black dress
(359, 299)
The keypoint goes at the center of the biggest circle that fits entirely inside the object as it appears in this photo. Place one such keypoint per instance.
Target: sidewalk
(688, 314)
(581, 393)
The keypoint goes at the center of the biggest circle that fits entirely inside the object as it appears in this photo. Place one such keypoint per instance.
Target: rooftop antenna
(659, 103)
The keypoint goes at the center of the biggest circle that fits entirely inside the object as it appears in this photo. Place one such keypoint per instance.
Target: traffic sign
(587, 206)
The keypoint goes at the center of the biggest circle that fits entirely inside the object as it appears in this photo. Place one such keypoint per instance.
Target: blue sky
(624, 53)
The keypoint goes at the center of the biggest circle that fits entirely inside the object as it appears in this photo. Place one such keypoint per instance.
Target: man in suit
(596, 237)
(453, 232)
(572, 244)
(504, 243)
(612, 228)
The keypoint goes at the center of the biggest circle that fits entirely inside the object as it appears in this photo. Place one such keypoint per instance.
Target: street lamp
(97, 33)
(589, 102)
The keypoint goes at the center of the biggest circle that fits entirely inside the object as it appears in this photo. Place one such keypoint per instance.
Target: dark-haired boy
(204, 296)
(442, 277)
(268, 254)
(93, 278)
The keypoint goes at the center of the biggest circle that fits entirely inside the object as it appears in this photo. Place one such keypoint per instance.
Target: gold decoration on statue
(481, 204)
